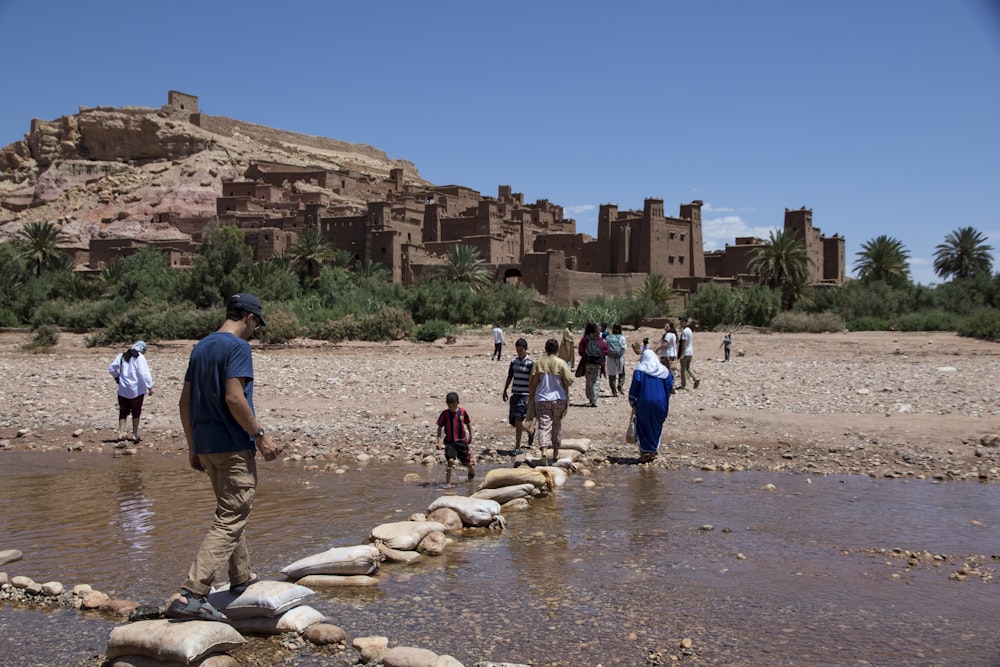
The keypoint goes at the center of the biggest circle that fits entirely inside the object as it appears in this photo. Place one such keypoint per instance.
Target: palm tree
(781, 262)
(39, 246)
(656, 290)
(464, 265)
(374, 272)
(884, 258)
(310, 253)
(964, 253)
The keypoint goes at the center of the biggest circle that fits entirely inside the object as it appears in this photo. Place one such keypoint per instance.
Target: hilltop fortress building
(408, 226)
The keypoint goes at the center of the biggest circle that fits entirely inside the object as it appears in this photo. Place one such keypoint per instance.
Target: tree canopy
(883, 258)
(964, 253)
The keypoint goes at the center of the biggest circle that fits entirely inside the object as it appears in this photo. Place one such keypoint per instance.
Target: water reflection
(605, 574)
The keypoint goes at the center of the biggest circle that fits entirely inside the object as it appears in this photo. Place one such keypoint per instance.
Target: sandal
(196, 608)
(238, 589)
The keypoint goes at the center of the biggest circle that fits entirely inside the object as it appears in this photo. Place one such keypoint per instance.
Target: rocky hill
(105, 172)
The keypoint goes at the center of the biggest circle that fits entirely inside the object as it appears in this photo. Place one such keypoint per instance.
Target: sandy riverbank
(872, 403)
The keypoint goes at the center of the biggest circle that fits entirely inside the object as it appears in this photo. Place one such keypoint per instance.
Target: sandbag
(265, 598)
(360, 559)
(500, 477)
(294, 620)
(505, 494)
(403, 535)
(400, 555)
(558, 475)
(212, 660)
(581, 445)
(474, 511)
(169, 641)
(338, 580)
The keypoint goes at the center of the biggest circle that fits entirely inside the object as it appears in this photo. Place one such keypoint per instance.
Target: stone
(52, 588)
(323, 634)
(94, 600)
(119, 607)
(4, 579)
(9, 556)
(409, 656)
(988, 440)
(446, 661)
(372, 649)
(80, 589)
(433, 544)
(21, 582)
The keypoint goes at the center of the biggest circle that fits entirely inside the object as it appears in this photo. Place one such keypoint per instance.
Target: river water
(617, 574)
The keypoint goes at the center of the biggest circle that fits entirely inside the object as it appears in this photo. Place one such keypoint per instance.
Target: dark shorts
(518, 408)
(130, 406)
(457, 450)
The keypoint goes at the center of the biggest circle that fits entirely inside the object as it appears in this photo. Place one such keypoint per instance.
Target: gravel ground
(885, 404)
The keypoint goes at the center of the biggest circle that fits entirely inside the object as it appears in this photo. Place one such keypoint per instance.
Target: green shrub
(344, 328)
(45, 338)
(758, 305)
(983, 323)
(157, 321)
(387, 324)
(713, 305)
(555, 316)
(432, 330)
(792, 321)
(868, 323)
(8, 318)
(928, 320)
(632, 310)
(282, 326)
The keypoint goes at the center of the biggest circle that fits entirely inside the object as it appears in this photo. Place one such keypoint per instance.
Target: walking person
(223, 439)
(687, 353)
(668, 347)
(548, 398)
(455, 437)
(616, 359)
(131, 371)
(519, 375)
(727, 344)
(649, 395)
(497, 342)
(593, 353)
(567, 346)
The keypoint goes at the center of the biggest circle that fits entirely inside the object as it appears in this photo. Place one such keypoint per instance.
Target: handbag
(581, 368)
(630, 431)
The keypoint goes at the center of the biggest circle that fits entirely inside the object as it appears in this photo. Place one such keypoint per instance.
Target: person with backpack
(131, 372)
(593, 353)
(616, 359)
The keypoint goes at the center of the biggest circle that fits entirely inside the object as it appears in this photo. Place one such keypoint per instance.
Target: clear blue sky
(880, 115)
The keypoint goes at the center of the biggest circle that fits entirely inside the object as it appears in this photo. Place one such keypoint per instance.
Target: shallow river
(617, 574)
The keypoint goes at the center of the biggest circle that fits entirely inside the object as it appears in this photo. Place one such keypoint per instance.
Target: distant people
(616, 359)
(604, 331)
(223, 439)
(519, 375)
(455, 437)
(567, 346)
(687, 354)
(131, 372)
(548, 398)
(593, 352)
(497, 342)
(727, 344)
(667, 349)
(649, 393)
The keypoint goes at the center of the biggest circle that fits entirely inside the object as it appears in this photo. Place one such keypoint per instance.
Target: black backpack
(593, 352)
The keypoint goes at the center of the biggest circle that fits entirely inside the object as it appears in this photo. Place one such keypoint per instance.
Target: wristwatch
(260, 433)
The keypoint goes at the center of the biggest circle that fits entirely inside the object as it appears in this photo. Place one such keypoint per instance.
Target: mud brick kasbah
(401, 221)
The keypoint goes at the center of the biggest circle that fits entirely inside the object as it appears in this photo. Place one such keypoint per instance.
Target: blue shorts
(518, 408)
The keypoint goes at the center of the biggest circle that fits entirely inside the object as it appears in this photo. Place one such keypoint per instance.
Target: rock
(145, 612)
(52, 588)
(433, 544)
(323, 634)
(409, 656)
(21, 582)
(446, 661)
(81, 589)
(686, 643)
(372, 649)
(9, 556)
(988, 440)
(119, 607)
(4, 579)
(94, 600)
(23, 432)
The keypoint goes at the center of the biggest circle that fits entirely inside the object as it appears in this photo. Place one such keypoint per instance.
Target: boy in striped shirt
(454, 436)
(519, 374)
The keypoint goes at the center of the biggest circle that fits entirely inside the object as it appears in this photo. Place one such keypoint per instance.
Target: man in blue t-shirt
(223, 438)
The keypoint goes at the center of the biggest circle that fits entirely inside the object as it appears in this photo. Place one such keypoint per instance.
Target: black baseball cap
(247, 303)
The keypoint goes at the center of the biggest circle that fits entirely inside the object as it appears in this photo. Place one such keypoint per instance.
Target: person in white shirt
(131, 372)
(686, 353)
(497, 342)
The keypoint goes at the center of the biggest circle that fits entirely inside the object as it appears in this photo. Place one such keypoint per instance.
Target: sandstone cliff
(105, 172)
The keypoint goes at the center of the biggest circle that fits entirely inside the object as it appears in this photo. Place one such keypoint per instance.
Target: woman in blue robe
(649, 395)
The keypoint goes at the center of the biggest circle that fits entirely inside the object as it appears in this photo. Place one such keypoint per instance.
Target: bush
(157, 321)
(556, 317)
(45, 338)
(713, 305)
(8, 318)
(929, 320)
(868, 323)
(432, 330)
(633, 310)
(282, 326)
(758, 305)
(336, 330)
(797, 322)
(983, 323)
(387, 324)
